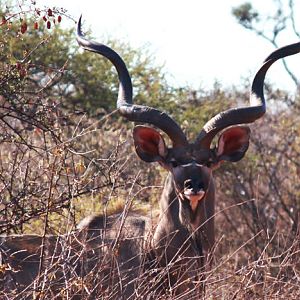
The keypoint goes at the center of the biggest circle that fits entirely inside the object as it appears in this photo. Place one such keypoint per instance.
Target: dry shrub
(49, 184)
(258, 220)
(58, 166)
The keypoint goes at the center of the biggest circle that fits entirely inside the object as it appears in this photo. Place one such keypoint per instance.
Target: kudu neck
(171, 207)
(175, 218)
(168, 196)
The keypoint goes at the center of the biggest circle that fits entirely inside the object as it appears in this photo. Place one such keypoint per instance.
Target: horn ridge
(257, 106)
(132, 112)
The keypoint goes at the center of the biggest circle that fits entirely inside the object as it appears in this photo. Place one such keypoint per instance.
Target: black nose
(194, 185)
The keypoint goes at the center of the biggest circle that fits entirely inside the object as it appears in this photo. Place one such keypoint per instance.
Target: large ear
(233, 143)
(149, 144)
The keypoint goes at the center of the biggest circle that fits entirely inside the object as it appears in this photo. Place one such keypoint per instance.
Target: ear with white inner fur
(149, 144)
(233, 143)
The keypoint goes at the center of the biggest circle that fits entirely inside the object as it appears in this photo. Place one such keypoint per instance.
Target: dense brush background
(65, 153)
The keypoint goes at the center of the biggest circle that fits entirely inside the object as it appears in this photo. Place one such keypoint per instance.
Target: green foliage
(80, 80)
(50, 61)
(195, 111)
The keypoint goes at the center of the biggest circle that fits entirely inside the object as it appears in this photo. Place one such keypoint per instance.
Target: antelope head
(189, 163)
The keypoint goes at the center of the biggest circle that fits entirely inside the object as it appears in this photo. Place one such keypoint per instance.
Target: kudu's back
(105, 252)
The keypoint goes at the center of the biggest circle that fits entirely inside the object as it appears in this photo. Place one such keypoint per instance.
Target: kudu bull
(186, 223)
(185, 230)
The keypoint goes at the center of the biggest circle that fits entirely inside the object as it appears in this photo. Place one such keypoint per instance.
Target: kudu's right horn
(135, 113)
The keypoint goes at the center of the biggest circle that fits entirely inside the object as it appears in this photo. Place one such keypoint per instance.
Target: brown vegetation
(257, 252)
(59, 165)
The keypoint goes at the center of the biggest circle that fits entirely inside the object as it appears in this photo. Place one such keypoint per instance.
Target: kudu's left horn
(257, 106)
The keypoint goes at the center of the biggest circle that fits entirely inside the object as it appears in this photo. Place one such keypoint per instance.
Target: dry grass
(92, 265)
(50, 184)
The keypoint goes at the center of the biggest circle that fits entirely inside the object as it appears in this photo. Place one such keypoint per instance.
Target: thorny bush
(58, 166)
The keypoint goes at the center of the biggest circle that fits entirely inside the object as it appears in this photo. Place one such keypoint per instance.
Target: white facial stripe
(193, 196)
(191, 164)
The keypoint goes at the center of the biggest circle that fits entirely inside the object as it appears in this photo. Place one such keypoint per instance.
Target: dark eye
(174, 163)
(209, 163)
